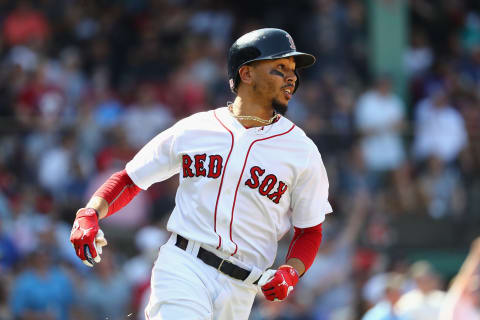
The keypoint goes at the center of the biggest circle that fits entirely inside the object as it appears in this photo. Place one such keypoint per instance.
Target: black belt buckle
(220, 265)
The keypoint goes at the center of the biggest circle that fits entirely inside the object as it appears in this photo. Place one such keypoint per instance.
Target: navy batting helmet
(264, 44)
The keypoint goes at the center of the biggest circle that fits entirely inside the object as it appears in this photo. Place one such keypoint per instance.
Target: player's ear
(246, 74)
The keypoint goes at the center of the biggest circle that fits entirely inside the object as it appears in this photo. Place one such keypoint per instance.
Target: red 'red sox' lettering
(199, 169)
(215, 166)
(253, 181)
(186, 163)
(196, 167)
(267, 184)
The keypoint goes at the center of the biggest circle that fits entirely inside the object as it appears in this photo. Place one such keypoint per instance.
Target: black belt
(218, 263)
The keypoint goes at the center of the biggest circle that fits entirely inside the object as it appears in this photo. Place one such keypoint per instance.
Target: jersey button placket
(232, 176)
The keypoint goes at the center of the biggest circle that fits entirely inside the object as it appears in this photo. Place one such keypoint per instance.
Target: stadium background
(392, 103)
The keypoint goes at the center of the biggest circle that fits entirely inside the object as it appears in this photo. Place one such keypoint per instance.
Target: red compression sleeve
(305, 244)
(118, 190)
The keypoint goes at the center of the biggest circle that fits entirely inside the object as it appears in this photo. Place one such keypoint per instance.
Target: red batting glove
(279, 283)
(84, 230)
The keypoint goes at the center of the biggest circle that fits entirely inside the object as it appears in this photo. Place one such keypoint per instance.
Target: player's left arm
(309, 203)
(277, 284)
(303, 248)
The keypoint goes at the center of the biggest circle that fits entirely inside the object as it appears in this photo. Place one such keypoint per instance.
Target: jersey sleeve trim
(134, 178)
(157, 160)
(312, 222)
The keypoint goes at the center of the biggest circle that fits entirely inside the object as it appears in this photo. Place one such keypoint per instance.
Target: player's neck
(243, 107)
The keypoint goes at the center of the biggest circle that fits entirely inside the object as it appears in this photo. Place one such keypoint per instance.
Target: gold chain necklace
(253, 118)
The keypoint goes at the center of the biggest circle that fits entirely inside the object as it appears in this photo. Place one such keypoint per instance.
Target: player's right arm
(99, 204)
(153, 163)
(86, 236)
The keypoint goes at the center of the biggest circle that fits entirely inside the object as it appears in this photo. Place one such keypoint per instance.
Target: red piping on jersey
(221, 181)
(118, 191)
(298, 235)
(240, 179)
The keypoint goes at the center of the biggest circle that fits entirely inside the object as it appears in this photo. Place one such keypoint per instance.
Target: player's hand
(277, 284)
(86, 236)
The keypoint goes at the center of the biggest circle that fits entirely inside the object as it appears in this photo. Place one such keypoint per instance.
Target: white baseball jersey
(240, 189)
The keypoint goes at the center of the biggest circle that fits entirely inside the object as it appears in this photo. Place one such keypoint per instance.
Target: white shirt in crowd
(439, 131)
(416, 305)
(378, 114)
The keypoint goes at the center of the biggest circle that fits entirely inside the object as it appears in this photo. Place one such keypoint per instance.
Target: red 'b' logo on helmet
(292, 44)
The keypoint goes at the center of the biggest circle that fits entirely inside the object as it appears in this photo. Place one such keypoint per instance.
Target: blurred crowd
(84, 84)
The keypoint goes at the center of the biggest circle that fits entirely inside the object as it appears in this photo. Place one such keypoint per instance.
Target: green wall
(388, 37)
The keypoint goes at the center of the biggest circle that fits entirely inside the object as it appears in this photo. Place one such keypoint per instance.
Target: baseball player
(247, 174)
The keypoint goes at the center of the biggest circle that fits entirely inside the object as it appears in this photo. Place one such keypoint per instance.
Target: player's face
(275, 82)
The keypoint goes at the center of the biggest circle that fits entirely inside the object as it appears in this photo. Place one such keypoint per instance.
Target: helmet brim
(302, 60)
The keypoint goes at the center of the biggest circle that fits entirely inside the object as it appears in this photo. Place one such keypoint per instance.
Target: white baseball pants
(184, 287)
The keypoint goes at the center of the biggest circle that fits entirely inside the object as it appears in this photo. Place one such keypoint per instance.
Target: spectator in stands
(471, 68)
(439, 128)
(281, 310)
(329, 283)
(106, 295)
(39, 103)
(68, 75)
(385, 309)
(426, 299)
(380, 116)
(28, 222)
(9, 254)
(55, 165)
(419, 56)
(463, 297)
(5, 311)
(42, 290)
(341, 126)
(373, 289)
(25, 24)
(353, 174)
(441, 189)
(145, 117)
(403, 191)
